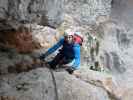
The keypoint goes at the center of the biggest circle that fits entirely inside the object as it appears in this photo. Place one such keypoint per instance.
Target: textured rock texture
(38, 85)
(44, 35)
(45, 12)
(115, 89)
(116, 56)
(51, 12)
(20, 39)
(116, 45)
(86, 11)
(29, 38)
(16, 18)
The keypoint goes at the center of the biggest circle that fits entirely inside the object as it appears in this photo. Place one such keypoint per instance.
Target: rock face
(45, 12)
(117, 43)
(116, 47)
(110, 83)
(44, 35)
(20, 39)
(122, 12)
(38, 85)
(86, 11)
(51, 12)
(15, 23)
(112, 58)
(29, 38)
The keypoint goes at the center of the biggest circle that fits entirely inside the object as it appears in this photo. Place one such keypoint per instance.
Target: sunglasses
(68, 37)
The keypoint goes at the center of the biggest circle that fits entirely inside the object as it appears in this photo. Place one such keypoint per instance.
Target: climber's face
(69, 39)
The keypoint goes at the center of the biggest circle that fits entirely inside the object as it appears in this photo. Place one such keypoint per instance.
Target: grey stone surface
(86, 11)
(38, 85)
(116, 47)
(45, 12)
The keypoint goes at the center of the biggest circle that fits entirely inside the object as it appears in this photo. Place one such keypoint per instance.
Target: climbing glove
(42, 57)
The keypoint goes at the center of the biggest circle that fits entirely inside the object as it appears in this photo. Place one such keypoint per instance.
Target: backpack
(78, 38)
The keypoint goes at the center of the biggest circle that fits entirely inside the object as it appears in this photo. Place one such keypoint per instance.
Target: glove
(42, 57)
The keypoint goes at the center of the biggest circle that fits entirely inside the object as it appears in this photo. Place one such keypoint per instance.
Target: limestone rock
(86, 11)
(46, 12)
(29, 38)
(45, 36)
(105, 80)
(38, 85)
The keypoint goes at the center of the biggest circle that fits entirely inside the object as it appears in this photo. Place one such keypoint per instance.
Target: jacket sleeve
(54, 48)
(76, 60)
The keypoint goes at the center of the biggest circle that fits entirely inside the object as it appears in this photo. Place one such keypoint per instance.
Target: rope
(55, 85)
(53, 79)
(54, 82)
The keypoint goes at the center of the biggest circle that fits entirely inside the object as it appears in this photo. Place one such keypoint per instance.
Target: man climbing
(69, 54)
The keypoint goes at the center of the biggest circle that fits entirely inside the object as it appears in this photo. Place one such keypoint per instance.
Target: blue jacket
(69, 51)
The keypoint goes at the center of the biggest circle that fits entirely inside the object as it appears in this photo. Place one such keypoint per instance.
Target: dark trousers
(59, 59)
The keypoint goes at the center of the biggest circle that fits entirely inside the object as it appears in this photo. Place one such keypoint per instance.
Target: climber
(69, 54)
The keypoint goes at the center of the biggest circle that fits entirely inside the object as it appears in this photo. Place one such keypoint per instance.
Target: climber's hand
(42, 57)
